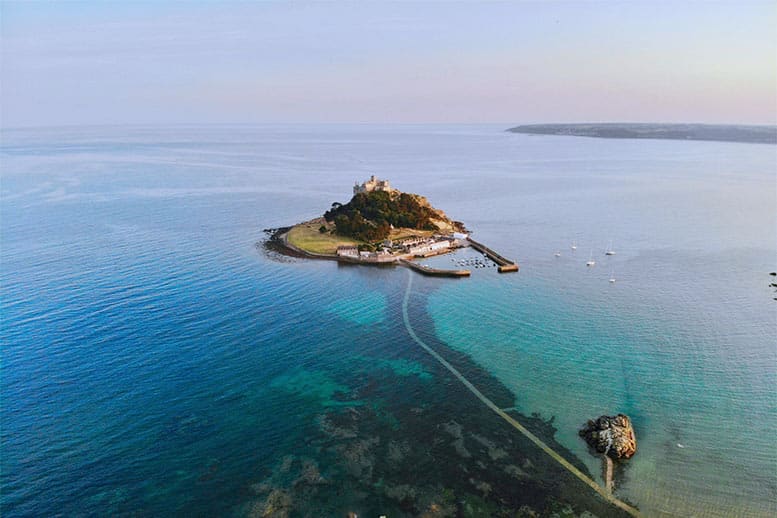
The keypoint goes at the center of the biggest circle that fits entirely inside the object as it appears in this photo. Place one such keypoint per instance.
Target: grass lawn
(307, 237)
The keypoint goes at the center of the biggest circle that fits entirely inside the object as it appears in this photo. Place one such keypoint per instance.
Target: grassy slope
(307, 237)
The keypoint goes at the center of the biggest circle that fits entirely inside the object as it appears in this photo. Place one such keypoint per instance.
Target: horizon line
(373, 123)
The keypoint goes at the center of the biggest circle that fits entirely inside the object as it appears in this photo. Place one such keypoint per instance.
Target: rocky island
(614, 438)
(611, 435)
(382, 225)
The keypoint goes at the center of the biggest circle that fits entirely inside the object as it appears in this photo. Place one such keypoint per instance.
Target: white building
(348, 251)
(430, 248)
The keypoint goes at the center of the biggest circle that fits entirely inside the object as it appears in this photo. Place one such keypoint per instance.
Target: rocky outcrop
(611, 435)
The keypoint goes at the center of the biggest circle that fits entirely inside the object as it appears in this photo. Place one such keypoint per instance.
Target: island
(382, 226)
(613, 437)
(712, 132)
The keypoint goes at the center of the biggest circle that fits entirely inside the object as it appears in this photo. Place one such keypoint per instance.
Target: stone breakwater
(505, 265)
(611, 435)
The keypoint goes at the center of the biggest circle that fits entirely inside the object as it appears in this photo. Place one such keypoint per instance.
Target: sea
(159, 358)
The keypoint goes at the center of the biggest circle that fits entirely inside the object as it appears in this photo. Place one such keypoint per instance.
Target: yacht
(574, 246)
(591, 261)
(557, 254)
(612, 277)
(609, 250)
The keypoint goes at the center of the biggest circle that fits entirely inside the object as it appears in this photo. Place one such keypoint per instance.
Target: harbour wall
(505, 265)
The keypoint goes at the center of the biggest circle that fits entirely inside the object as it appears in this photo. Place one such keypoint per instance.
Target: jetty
(504, 265)
(608, 483)
(435, 272)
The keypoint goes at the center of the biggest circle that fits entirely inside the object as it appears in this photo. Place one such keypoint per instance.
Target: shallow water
(155, 361)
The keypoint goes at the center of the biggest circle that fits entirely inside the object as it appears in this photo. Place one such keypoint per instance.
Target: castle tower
(373, 184)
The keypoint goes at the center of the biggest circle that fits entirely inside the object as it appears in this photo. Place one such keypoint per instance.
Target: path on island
(501, 413)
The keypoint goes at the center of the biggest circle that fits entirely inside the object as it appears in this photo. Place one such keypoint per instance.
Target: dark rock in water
(611, 435)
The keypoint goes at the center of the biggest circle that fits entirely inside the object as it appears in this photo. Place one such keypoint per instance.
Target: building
(373, 184)
(347, 251)
(430, 248)
(411, 241)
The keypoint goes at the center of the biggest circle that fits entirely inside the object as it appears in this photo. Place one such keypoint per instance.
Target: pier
(425, 270)
(505, 265)
(608, 483)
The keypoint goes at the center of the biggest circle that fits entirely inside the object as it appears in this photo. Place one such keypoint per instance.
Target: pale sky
(506, 62)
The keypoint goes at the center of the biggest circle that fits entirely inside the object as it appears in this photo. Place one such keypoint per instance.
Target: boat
(557, 254)
(591, 261)
(612, 277)
(609, 250)
(574, 246)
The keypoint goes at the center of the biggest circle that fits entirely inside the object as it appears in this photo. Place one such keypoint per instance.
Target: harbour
(278, 240)
(504, 265)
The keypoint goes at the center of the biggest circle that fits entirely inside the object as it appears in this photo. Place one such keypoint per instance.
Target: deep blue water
(155, 361)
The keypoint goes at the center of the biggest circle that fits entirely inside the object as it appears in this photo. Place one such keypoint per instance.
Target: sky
(387, 62)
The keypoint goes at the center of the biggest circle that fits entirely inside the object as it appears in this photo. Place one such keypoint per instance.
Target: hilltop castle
(373, 184)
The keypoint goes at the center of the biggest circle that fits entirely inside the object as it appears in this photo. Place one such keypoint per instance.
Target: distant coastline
(709, 132)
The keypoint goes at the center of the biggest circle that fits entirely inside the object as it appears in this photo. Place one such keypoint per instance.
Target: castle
(373, 184)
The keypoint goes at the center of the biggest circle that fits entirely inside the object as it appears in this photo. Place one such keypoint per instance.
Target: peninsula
(712, 132)
(382, 225)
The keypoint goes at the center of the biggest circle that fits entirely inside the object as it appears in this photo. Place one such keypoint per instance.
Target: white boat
(612, 277)
(591, 261)
(609, 250)
(574, 246)
(557, 254)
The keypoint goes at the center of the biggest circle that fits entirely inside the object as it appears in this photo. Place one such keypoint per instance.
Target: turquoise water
(155, 361)
(683, 341)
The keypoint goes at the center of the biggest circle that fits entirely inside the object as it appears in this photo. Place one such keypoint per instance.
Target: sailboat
(591, 261)
(574, 246)
(609, 250)
(557, 254)
(612, 277)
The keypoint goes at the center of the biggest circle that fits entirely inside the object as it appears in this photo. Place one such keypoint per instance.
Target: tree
(370, 216)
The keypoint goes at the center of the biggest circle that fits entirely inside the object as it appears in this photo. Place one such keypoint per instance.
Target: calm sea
(156, 361)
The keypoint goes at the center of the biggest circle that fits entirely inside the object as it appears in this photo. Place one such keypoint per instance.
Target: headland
(711, 132)
(382, 226)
